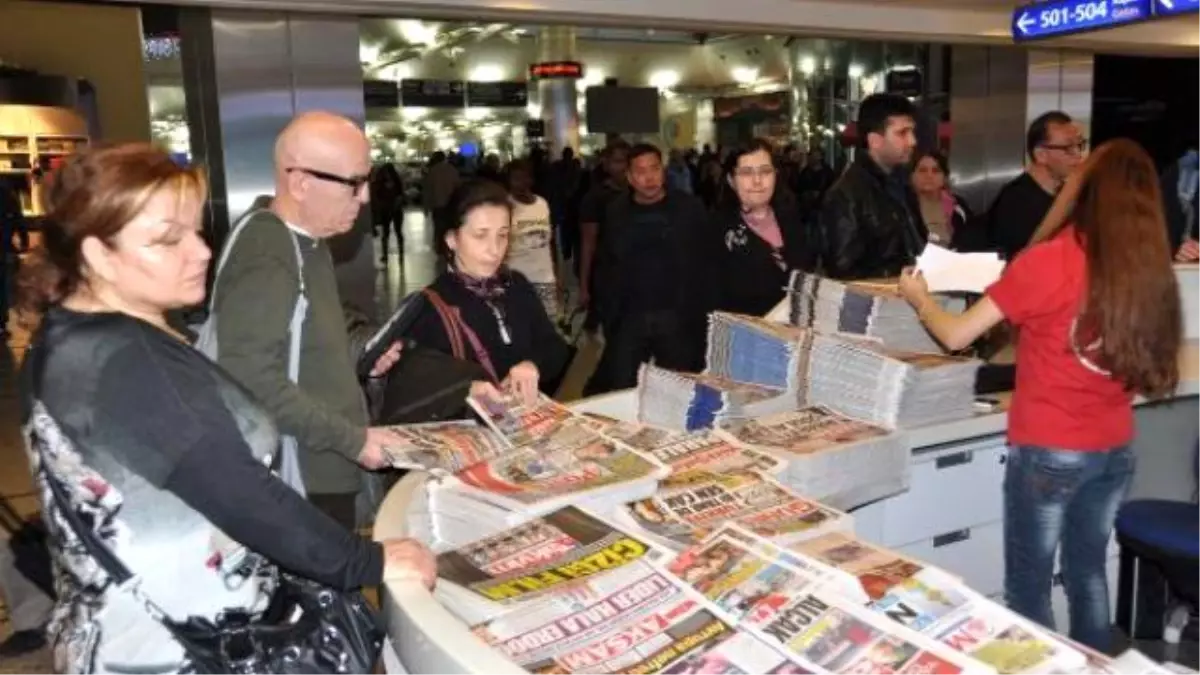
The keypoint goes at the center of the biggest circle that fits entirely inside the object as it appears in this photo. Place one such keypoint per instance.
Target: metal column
(559, 97)
(246, 74)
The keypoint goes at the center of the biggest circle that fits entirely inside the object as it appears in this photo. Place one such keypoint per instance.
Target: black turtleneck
(531, 335)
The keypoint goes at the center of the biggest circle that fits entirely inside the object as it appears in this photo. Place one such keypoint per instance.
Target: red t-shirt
(1058, 402)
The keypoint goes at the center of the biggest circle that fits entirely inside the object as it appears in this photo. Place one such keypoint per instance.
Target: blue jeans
(1054, 497)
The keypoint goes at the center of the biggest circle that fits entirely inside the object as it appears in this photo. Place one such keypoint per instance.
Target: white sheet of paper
(947, 270)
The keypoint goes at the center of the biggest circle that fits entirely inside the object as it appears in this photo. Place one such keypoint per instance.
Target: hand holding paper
(945, 270)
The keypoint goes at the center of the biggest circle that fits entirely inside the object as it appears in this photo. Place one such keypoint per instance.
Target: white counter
(951, 516)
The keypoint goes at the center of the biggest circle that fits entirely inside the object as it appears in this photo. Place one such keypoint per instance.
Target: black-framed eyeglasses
(354, 182)
(1078, 147)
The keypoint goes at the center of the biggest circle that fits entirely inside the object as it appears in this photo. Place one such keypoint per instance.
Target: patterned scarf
(487, 289)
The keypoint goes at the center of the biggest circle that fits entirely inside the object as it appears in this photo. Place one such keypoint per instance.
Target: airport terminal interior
(479, 85)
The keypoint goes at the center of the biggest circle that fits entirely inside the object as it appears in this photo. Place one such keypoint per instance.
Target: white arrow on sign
(1169, 4)
(1024, 22)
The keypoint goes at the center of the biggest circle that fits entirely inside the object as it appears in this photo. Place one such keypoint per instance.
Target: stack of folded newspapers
(690, 504)
(506, 569)
(687, 402)
(860, 308)
(895, 389)
(832, 458)
(548, 458)
(714, 453)
(757, 351)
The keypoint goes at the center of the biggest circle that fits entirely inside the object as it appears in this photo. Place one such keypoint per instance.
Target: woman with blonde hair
(143, 448)
(1095, 300)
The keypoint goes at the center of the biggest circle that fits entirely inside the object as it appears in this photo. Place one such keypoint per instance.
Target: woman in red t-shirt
(1096, 303)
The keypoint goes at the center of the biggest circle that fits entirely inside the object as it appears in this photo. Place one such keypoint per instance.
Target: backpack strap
(456, 328)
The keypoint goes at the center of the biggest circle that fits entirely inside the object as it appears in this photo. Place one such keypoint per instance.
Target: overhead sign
(497, 94)
(1172, 7)
(381, 94)
(1057, 18)
(552, 70)
(433, 93)
(908, 83)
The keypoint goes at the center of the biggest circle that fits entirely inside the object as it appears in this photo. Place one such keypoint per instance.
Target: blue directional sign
(1066, 17)
(1172, 7)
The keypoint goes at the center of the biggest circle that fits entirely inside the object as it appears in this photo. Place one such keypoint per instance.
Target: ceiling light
(368, 53)
(487, 72)
(856, 70)
(591, 78)
(418, 32)
(664, 79)
(533, 110)
(414, 113)
(745, 75)
(476, 114)
(808, 65)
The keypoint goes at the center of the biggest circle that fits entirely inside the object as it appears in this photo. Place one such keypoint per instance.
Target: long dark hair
(1132, 312)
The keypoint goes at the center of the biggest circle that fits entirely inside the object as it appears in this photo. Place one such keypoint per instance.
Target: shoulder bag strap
(100, 552)
(227, 249)
(289, 460)
(458, 328)
(453, 334)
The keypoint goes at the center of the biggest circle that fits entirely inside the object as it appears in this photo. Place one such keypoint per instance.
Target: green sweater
(256, 294)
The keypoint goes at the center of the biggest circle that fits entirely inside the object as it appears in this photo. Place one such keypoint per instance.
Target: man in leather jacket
(869, 217)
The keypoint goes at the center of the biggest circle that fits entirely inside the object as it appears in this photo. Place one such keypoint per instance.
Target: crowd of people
(205, 471)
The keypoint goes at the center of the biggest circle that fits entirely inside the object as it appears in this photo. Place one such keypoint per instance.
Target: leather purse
(306, 628)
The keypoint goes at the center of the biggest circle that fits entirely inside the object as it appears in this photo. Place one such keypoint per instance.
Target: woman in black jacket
(759, 235)
(480, 310)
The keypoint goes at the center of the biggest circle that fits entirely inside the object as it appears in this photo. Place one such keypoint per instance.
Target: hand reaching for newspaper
(913, 286)
(1189, 252)
(522, 380)
(408, 559)
(485, 391)
(374, 454)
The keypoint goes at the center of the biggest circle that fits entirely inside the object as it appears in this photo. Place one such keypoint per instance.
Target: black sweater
(532, 334)
(749, 280)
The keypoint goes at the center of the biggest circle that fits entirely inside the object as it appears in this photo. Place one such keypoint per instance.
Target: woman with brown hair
(157, 452)
(1096, 304)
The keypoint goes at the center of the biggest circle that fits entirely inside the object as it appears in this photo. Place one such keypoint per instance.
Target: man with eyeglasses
(1055, 146)
(277, 262)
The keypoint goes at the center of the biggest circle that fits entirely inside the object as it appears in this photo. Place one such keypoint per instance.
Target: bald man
(321, 168)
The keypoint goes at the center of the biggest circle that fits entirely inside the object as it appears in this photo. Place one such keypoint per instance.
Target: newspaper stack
(832, 458)
(571, 465)
(641, 437)
(711, 452)
(687, 402)
(887, 387)
(860, 308)
(805, 614)
(690, 505)
(542, 557)
(445, 447)
(939, 605)
(753, 350)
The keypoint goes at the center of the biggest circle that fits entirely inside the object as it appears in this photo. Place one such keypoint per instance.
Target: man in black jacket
(651, 266)
(869, 217)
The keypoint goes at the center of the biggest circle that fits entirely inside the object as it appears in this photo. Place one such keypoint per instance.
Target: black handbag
(27, 541)
(306, 628)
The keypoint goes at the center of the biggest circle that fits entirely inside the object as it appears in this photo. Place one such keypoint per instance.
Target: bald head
(321, 164)
(317, 137)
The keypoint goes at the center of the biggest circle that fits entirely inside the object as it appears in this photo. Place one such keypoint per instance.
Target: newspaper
(877, 569)
(802, 432)
(634, 619)
(923, 600)
(744, 580)
(444, 447)
(691, 504)
(519, 423)
(641, 437)
(542, 555)
(711, 452)
(1000, 639)
(821, 631)
(571, 460)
